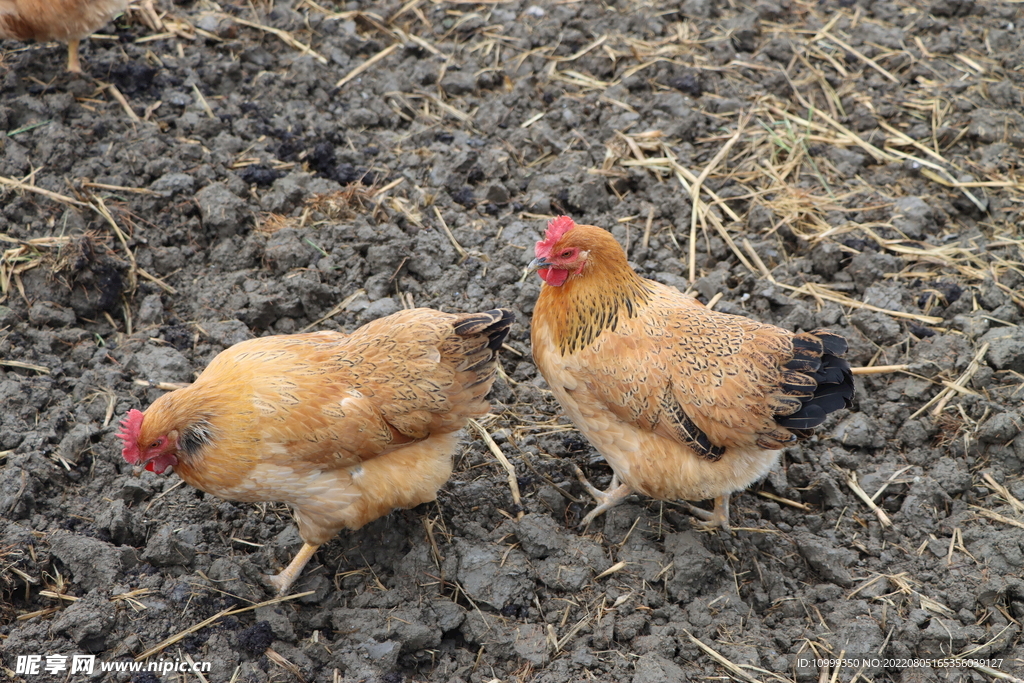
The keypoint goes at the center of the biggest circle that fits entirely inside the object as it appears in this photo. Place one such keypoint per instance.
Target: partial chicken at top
(67, 21)
(683, 402)
(343, 428)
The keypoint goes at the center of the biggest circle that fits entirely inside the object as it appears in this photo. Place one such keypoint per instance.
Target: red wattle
(555, 277)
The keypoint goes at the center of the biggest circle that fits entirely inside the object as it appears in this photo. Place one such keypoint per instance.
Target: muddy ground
(238, 191)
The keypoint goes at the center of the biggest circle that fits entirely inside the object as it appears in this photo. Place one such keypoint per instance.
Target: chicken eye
(159, 442)
(566, 254)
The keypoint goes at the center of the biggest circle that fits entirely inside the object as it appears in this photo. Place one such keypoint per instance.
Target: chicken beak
(538, 263)
(535, 265)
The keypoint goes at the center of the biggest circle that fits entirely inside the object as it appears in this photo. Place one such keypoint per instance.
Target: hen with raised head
(683, 402)
(343, 428)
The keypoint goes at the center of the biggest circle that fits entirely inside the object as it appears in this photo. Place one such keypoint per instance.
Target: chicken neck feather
(582, 308)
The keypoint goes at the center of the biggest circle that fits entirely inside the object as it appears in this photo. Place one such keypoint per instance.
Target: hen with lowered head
(343, 428)
(65, 20)
(683, 402)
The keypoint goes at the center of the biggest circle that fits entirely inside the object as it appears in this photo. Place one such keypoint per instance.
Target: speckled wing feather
(337, 399)
(708, 380)
(12, 23)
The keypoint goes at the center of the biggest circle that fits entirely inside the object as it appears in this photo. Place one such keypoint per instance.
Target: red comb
(130, 428)
(556, 230)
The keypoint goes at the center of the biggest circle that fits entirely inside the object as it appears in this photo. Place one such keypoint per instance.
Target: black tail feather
(494, 326)
(808, 417)
(833, 343)
(833, 375)
(830, 375)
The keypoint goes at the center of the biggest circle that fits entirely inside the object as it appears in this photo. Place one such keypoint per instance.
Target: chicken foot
(283, 581)
(605, 500)
(714, 519)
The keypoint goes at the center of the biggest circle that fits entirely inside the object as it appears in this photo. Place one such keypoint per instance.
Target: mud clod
(165, 548)
(829, 562)
(223, 212)
(256, 639)
(93, 563)
(494, 578)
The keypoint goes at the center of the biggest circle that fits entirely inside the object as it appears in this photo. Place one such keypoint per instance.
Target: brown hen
(683, 402)
(343, 428)
(65, 20)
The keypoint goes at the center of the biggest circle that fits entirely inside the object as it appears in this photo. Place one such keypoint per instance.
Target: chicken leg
(283, 581)
(606, 500)
(715, 519)
(74, 66)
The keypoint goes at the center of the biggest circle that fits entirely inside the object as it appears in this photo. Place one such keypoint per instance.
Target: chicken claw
(283, 581)
(714, 519)
(606, 500)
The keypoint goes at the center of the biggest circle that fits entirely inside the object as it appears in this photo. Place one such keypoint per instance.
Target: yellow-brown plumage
(65, 20)
(344, 428)
(683, 402)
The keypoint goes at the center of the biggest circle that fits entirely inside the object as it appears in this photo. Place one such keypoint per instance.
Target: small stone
(1006, 351)
(877, 327)
(280, 624)
(288, 249)
(951, 475)
(779, 49)
(223, 212)
(540, 536)
(171, 184)
(119, 521)
(151, 311)
(93, 563)
(859, 431)
(694, 566)
(7, 316)
(75, 442)
(379, 309)
(653, 668)
(590, 195)
(744, 30)
(912, 434)
(234, 578)
(688, 83)
(88, 622)
(407, 627)
(49, 314)
(532, 644)
(458, 83)
(165, 549)
(497, 193)
(1000, 428)
(160, 364)
(914, 217)
(360, 117)
(228, 332)
(699, 9)
(495, 577)
(830, 563)
(257, 638)
(951, 8)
